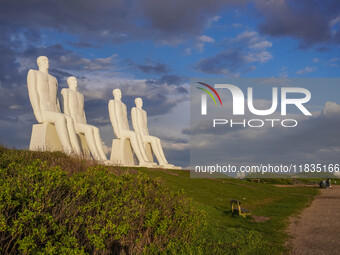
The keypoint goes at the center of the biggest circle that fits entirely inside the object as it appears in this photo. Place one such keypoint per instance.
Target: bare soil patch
(317, 229)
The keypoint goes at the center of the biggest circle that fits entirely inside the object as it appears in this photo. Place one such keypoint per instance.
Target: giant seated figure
(121, 147)
(56, 130)
(151, 144)
(74, 106)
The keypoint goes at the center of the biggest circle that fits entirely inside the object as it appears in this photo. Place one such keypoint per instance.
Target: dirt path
(317, 230)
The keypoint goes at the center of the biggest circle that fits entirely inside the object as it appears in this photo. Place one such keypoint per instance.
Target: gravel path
(317, 230)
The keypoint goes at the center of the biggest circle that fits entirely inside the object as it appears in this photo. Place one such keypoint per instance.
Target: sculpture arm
(146, 130)
(58, 104)
(33, 95)
(84, 115)
(134, 119)
(65, 100)
(114, 122)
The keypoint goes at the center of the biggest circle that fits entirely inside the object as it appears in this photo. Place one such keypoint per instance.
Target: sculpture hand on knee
(42, 90)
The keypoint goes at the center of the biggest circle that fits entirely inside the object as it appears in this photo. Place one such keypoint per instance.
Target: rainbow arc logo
(209, 93)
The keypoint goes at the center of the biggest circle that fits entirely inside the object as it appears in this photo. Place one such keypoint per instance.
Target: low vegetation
(54, 204)
(46, 210)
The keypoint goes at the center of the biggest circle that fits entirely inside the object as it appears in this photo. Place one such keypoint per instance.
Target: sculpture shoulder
(54, 79)
(80, 94)
(31, 74)
(65, 91)
(111, 105)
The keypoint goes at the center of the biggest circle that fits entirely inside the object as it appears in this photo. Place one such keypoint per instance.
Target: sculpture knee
(60, 119)
(132, 136)
(68, 119)
(95, 129)
(89, 131)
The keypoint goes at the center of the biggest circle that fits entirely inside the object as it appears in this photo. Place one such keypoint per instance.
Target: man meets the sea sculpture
(140, 125)
(42, 90)
(69, 131)
(120, 146)
(74, 106)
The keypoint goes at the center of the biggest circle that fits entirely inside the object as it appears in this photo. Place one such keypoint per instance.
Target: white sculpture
(121, 129)
(139, 122)
(74, 106)
(42, 90)
(140, 125)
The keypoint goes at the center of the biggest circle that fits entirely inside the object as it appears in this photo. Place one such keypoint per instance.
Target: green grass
(224, 233)
(212, 195)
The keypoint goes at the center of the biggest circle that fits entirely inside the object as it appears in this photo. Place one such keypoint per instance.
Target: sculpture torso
(141, 121)
(118, 116)
(74, 105)
(47, 87)
(42, 89)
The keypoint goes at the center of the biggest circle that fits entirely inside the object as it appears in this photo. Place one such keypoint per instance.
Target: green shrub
(43, 210)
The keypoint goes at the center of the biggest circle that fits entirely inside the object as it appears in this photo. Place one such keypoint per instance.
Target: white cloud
(206, 39)
(14, 107)
(334, 21)
(331, 110)
(261, 45)
(253, 40)
(237, 25)
(199, 43)
(332, 60)
(261, 57)
(241, 55)
(283, 73)
(307, 69)
(256, 44)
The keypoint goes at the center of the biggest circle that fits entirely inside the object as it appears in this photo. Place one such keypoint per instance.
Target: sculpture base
(83, 145)
(44, 137)
(121, 152)
(148, 151)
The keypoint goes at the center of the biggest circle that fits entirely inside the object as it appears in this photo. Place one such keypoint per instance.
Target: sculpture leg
(99, 144)
(73, 135)
(141, 147)
(156, 149)
(161, 150)
(90, 139)
(135, 145)
(60, 124)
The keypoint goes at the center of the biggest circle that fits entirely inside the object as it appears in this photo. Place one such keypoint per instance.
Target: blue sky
(151, 48)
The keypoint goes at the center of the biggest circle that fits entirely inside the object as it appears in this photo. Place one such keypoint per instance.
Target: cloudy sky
(151, 48)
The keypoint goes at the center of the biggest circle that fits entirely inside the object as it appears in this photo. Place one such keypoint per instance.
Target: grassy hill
(150, 210)
(244, 236)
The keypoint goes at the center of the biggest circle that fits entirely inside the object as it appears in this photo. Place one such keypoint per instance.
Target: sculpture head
(72, 82)
(117, 94)
(43, 63)
(139, 102)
